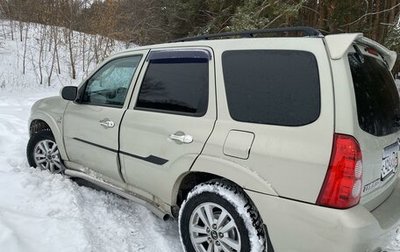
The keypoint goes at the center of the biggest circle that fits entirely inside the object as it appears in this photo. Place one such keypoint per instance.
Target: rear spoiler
(338, 45)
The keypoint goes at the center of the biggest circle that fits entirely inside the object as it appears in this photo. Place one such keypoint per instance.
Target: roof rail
(306, 31)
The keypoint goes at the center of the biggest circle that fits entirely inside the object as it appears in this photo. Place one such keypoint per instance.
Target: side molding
(151, 159)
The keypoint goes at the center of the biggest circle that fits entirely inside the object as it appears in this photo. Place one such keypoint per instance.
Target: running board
(119, 191)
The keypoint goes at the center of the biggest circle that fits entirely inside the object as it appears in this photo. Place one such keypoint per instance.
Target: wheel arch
(187, 181)
(37, 125)
(207, 168)
(41, 121)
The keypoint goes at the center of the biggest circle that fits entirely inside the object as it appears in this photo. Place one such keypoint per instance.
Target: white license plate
(390, 160)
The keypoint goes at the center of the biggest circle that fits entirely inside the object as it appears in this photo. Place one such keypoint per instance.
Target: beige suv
(254, 143)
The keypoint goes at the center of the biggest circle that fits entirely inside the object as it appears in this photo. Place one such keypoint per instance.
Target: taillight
(372, 51)
(343, 181)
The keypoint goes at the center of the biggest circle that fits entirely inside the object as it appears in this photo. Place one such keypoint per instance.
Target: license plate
(390, 160)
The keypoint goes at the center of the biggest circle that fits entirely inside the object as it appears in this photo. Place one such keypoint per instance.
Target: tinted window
(272, 87)
(378, 106)
(109, 85)
(175, 85)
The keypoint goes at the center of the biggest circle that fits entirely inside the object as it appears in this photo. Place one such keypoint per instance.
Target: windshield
(377, 98)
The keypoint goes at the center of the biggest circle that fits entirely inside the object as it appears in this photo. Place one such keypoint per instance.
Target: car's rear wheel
(217, 216)
(42, 152)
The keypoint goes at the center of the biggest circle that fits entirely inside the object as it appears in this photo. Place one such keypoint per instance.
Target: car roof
(337, 45)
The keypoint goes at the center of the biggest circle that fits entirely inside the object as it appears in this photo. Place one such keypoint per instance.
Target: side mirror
(69, 93)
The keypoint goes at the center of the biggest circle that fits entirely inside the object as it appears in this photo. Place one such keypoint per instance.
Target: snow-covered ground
(44, 212)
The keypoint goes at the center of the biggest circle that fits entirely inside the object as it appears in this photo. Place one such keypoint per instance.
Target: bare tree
(25, 49)
(42, 32)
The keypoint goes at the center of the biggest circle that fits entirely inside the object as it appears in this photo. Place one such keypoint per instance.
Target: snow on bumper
(296, 226)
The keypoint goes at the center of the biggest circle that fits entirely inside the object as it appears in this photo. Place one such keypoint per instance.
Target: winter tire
(42, 152)
(217, 216)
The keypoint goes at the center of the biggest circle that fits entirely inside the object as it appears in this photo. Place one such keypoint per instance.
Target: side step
(119, 191)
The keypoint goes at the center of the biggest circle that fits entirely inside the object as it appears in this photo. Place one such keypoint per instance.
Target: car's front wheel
(42, 152)
(217, 216)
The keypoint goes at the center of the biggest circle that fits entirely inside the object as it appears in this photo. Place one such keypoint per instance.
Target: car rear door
(169, 120)
(91, 124)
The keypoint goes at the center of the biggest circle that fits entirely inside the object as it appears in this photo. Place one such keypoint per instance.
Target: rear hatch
(378, 111)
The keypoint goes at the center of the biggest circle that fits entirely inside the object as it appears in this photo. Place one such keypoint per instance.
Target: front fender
(51, 111)
(234, 172)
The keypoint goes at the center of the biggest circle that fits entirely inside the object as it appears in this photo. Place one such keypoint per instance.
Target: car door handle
(181, 137)
(107, 123)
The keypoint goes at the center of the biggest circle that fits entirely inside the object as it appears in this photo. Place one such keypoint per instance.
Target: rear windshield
(378, 105)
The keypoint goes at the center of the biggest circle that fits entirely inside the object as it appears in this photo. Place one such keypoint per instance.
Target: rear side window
(176, 83)
(278, 87)
(377, 99)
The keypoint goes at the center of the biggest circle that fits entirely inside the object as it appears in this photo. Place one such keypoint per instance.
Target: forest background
(144, 22)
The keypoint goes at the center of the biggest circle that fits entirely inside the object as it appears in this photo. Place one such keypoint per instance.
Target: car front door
(91, 123)
(171, 116)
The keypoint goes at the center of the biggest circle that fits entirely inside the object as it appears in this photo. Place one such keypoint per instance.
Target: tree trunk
(83, 52)
(377, 21)
(12, 29)
(25, 49)
(71, 53)
(21, 30)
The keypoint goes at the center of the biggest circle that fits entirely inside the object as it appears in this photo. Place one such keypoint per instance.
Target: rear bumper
(295, 226)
